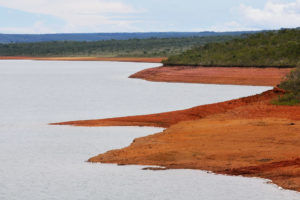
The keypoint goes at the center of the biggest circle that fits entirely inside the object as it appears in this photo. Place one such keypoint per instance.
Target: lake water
(38, 161)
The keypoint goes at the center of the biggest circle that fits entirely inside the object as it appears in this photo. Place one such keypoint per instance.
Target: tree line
(152, 47)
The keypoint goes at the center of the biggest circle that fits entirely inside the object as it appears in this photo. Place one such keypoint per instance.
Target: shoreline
(215, 75)
(246, 136)
(115, 59)
(186, 74)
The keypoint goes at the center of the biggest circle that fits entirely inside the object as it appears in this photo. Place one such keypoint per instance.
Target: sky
(90, 16)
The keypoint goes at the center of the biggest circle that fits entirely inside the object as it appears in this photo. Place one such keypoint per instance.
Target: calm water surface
(38, 161)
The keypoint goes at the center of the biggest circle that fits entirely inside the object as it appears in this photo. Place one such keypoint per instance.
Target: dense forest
(153, 47)
(271, 48)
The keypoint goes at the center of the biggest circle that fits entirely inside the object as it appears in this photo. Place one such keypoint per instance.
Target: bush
(291, 85)
(288, 99)
(292, 81)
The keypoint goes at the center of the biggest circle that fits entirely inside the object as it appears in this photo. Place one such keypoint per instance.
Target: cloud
(272, 15)
(78, 15)
(37, 27)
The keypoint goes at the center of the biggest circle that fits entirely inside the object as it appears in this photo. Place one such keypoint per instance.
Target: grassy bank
(265, 49)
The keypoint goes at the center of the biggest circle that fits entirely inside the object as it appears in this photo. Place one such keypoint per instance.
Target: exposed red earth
(215, 75)
(247, 136)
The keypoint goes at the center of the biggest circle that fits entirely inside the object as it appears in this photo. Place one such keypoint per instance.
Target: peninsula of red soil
(247, 136)
(117, 59)
(215, 75)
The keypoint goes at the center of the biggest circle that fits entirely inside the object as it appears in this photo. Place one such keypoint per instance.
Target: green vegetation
(18, 38)
(292, 86)
(153, 47)
(264, 49)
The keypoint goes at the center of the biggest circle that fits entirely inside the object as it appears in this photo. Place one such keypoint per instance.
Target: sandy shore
(247, 136)
(119, 59)
(215, 75)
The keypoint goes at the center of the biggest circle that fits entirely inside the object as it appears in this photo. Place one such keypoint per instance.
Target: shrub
(264, 49)
(291, 85)
(288, 99)
(292, 81)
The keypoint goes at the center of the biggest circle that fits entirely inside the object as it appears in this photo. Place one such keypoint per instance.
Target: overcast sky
(67, 16)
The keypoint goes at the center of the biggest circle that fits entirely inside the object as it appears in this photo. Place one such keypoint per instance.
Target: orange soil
(215, 75)
(247, 136)
(149, 60)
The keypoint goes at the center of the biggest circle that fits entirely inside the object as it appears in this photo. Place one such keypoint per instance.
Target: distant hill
(152, 47)
(24, 38)
(265, 49)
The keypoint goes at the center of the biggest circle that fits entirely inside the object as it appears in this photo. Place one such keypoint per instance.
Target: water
(38, 161)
